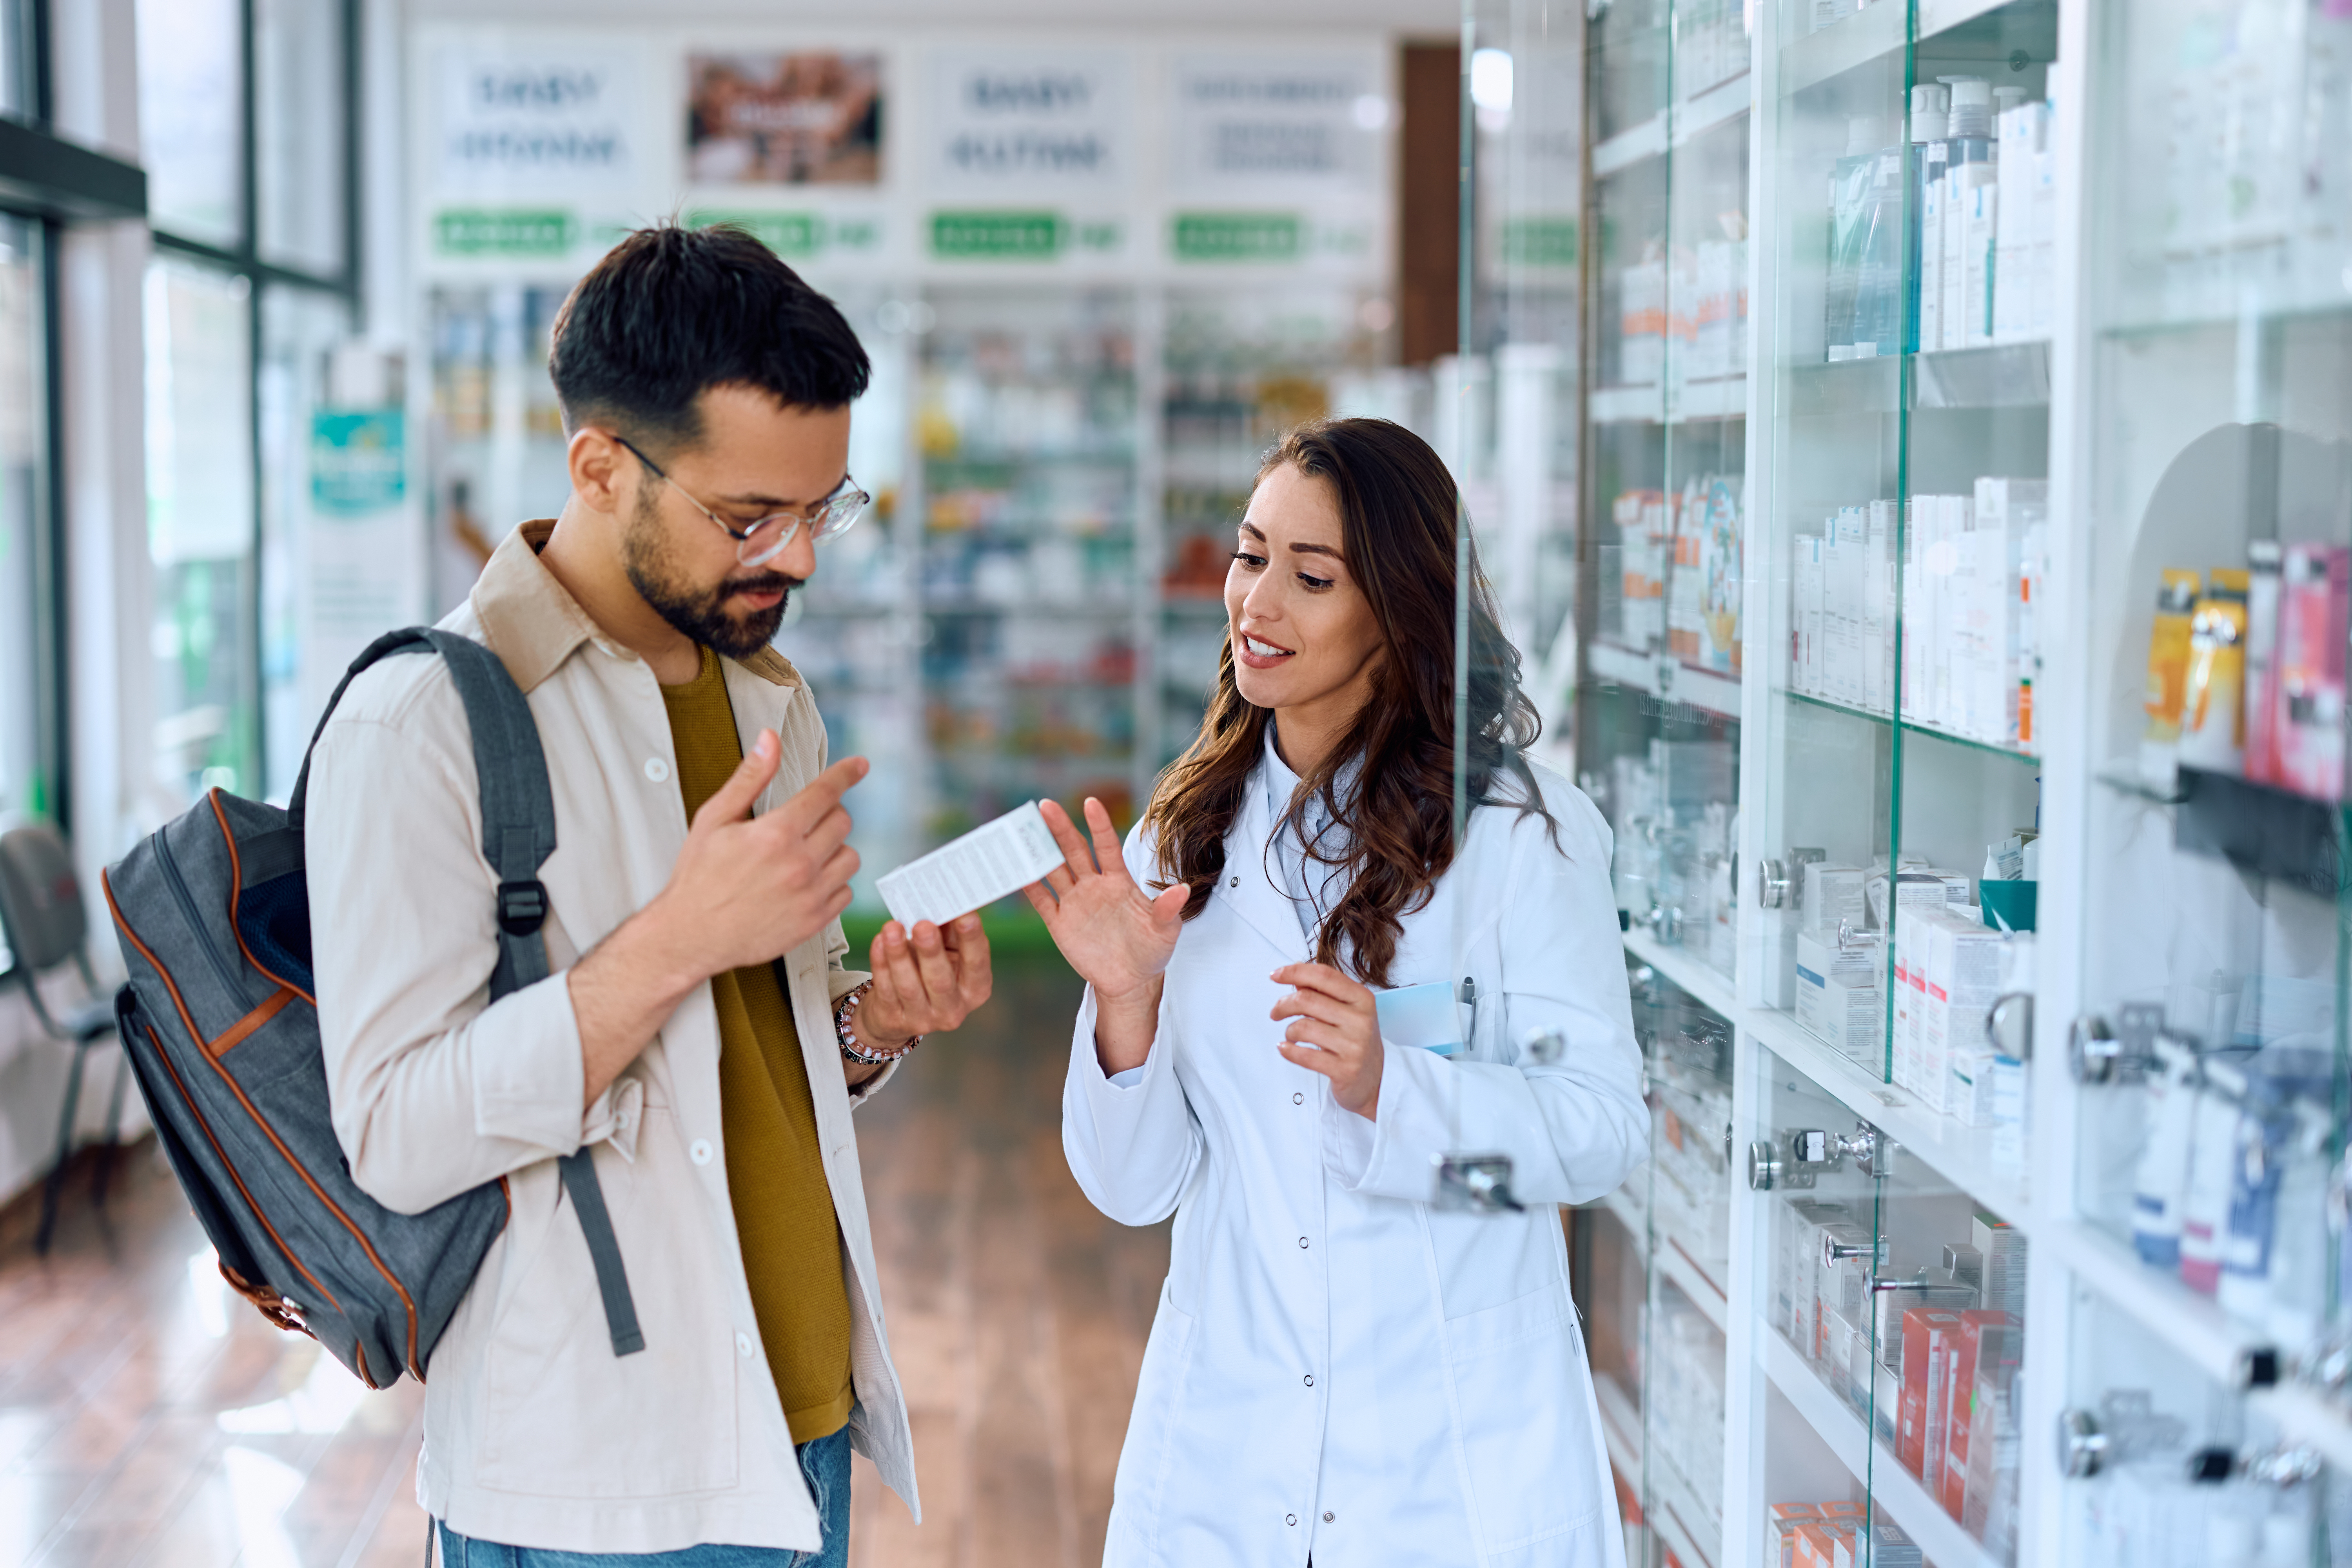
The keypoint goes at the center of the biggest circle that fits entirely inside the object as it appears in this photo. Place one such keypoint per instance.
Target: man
(698, 1031)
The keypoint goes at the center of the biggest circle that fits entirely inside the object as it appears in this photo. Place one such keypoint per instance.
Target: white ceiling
(1436, 19)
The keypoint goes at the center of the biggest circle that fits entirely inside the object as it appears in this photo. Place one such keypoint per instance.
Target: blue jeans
(825, 1465)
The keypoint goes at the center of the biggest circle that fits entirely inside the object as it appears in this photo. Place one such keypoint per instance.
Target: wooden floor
(149, 1418)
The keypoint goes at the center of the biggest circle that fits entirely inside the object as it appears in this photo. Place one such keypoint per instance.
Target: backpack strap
(518, 836)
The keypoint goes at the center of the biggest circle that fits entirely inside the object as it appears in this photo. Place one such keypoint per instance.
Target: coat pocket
(562, 1416)
(1145, 1457)
(1527, 1441)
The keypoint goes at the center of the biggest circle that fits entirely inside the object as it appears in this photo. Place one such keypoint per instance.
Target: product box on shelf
(1838, 995)
(1987, 1340)
(1961, 981)
(1927, 1332)
(1780, 1522)
(1988, 1506)
(1797, 1223)
(2305, 708)
(1881, 1543)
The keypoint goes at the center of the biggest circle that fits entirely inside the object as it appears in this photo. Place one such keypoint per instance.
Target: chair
(44, 922)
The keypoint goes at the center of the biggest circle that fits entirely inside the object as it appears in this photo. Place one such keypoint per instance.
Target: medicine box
(1838, 994)
(1985, 1340)
(1923, 1332)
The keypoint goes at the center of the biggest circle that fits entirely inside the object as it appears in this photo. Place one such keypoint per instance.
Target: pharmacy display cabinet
(1957, 645)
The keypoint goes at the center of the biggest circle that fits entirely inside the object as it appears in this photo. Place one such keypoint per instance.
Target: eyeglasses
(765, 539)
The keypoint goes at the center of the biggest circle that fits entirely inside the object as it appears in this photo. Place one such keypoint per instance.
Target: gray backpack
(220, 1024)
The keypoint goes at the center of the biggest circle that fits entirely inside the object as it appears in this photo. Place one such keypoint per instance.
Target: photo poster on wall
(797, 117)
(862, 157)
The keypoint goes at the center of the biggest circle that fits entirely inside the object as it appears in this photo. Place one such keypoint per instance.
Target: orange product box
(1780, 1522)
(1816, 1545)
(1843, 1513)
(1923, 1331)
(1987, 1338)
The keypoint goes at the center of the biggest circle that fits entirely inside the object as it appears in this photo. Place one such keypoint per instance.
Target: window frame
(245, 260)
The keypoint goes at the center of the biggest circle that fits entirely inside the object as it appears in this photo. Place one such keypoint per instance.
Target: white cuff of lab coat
(1121, 1107)
(1411, 1129)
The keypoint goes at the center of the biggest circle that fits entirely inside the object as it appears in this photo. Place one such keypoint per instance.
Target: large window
(249, 145)
(27, 754)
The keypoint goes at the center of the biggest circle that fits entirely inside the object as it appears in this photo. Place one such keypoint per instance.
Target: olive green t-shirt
(775, 1167)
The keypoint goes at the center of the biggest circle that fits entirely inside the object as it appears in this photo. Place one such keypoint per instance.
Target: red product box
(2307, 670)
(1987, 1338)
(1924, 1329)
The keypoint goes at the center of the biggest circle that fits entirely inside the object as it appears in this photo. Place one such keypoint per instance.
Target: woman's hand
(1117, 937)
(1335, 1030)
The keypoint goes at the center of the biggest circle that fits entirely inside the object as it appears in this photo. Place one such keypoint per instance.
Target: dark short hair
(671, 312)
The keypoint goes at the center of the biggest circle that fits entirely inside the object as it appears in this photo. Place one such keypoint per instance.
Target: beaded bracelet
(845, 1012)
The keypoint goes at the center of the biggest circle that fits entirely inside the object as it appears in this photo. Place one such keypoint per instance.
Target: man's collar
(533, 624)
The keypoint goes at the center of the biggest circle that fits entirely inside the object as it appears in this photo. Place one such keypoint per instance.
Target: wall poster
(810, 117)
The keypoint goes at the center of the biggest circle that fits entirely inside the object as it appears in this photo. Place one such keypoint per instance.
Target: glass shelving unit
(1603, 455)
(2044, 459)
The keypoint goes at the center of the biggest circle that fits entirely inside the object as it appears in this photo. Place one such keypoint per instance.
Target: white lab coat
(1336, 1369)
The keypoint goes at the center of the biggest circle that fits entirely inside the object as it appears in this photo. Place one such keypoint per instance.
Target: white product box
(1832, 893)
(2004, 1263)
(1980, 216)
(1878, 615)
(1838, 993)
(993, 860)
(1963, 980)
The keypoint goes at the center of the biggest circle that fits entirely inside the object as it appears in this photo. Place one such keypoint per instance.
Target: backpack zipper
(229, 982)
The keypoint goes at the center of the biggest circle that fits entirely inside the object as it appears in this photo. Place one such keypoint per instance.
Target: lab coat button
(1297, 1100)
(1327, 1515)
(743, 1346)
(1302, 1244)
(1233, 882)
(1310, 1379)
(1290, 1518)
(699, 1150)
(657, 770)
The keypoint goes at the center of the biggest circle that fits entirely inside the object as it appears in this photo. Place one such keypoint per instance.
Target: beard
(695, 611)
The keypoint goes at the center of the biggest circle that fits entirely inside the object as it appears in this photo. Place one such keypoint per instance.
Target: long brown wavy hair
(1393, 819)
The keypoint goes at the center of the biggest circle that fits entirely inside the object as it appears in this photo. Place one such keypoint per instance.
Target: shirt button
(657, 770)
(1233, 882)
(700, 1152)
(1297, 1100)
(1302, 1244)
(1290, 1518)
(1310, 1379)
(1327, 1515)
(743, 1346)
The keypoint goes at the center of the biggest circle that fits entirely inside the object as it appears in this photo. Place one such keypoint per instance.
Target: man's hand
(750, 890)
(745, 890)
(1335, 1029)
(926, 983)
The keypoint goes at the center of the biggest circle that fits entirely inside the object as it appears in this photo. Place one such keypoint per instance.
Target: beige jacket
(535, 1433)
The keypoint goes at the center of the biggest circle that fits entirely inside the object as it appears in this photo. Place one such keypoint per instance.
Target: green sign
(790, 235)
(505, 231)
(998, 235)
(1540, 242)
(1239, 236)
(359, 460)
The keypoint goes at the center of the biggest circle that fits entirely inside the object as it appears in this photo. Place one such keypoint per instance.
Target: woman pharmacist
(1339, 1372)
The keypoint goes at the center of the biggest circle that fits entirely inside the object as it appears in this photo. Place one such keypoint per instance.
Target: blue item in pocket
(1422, 1015)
